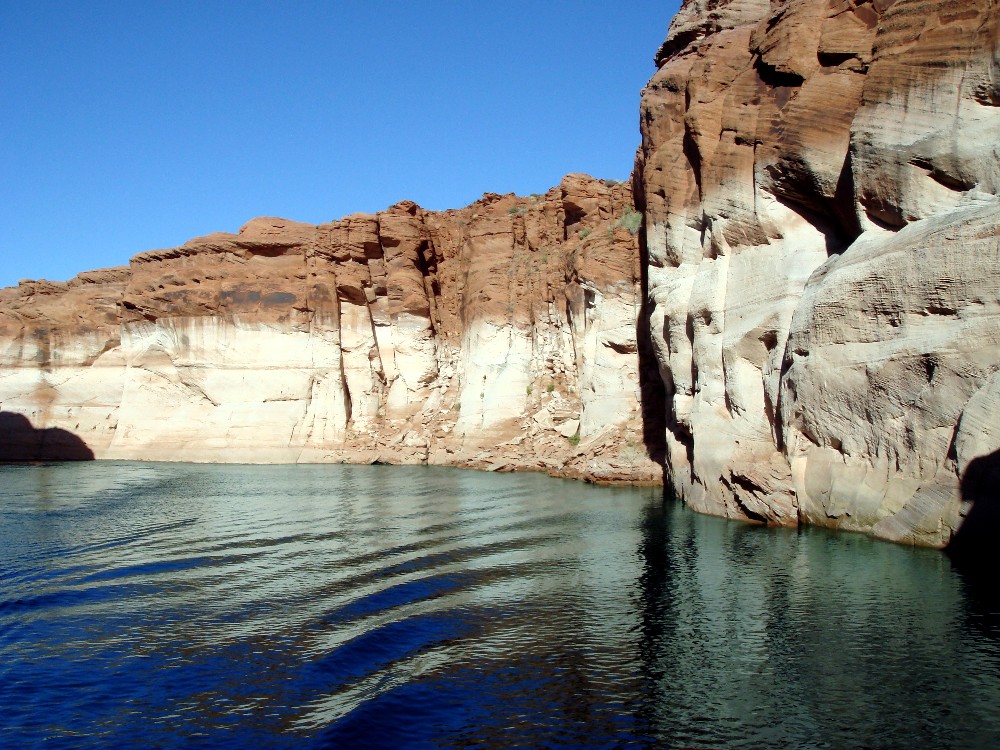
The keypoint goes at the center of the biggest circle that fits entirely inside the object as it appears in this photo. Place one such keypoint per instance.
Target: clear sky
(129, 126)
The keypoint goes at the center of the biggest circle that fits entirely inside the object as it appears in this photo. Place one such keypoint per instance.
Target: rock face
(819, 180)
(500, 336)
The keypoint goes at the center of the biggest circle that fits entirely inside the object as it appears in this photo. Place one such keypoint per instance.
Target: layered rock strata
(819, 180)
(498, 336)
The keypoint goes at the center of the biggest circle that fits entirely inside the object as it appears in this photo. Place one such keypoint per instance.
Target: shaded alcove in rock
(653, 397)
(20, 441)
(975, 548)
(979, 534)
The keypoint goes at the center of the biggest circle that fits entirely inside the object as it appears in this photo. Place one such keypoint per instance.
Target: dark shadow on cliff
(979, 535)
(651, 389)
(975, 547)
(20, 441)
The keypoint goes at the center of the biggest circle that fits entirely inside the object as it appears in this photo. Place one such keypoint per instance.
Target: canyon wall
(819, 181)
(806, 328)
(499, 336)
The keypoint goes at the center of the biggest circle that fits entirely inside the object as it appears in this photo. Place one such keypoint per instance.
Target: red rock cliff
(501, 335)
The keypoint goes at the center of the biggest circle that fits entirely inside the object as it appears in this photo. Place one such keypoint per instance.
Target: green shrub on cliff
(631, 220)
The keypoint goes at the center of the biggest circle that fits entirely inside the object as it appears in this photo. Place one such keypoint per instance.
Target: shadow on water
(20, 441)
(654, 580)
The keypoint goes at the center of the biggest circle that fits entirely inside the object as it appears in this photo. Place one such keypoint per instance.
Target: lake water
(178, 606)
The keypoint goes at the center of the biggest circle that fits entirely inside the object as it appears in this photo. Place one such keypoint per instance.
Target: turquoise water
(173, 605)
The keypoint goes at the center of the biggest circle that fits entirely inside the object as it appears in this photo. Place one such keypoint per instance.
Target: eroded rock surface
(819, 180)
(500, 336)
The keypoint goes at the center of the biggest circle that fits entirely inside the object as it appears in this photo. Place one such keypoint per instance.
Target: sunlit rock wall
(502, 336)
(819, 180)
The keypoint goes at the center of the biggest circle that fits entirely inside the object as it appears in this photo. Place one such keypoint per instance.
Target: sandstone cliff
(500, 336)
(819, 180)
(820, 301)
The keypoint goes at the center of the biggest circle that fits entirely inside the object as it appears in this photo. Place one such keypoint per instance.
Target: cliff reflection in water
(369, 606)
(756, 637)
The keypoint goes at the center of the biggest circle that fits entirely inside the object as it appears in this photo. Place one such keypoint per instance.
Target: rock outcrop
(819, 180)
(498, 336)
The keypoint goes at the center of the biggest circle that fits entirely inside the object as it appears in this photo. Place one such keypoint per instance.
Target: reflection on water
(764, 637)
(334, 606)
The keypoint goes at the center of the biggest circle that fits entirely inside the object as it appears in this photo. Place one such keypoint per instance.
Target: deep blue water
(177, 606)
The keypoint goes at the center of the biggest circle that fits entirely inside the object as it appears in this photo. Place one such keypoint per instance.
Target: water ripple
(335, 606)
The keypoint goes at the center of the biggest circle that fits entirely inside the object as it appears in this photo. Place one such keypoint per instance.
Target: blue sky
(129, 126)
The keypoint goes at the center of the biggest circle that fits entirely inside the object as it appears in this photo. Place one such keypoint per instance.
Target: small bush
(575, 440)
(528, 390)
(550, 387)
(631, 220)
(583, 233)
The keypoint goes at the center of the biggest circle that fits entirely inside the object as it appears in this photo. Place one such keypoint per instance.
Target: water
(171, 605)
